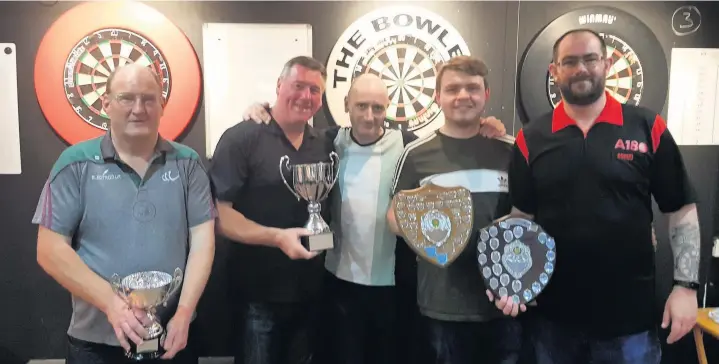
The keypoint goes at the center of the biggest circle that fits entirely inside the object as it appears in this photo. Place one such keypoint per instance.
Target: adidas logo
(503, 182)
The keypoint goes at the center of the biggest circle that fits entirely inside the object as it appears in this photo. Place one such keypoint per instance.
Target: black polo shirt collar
(611, 114)
(109, 153)
(275, 128)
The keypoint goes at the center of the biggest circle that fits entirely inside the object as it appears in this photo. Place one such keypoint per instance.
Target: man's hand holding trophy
(133, 312)
(313, 183)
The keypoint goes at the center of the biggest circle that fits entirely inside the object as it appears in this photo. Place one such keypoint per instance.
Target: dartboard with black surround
(93, 59)
(638, 75)
(405, 64)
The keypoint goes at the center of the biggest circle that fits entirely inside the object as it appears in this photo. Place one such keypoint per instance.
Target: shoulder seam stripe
(409, 147)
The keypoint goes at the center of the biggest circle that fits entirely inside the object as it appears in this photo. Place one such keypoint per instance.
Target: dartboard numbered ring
(639, 73)
(410, 81)
(516, 258)
(82, 48)
(404, 46)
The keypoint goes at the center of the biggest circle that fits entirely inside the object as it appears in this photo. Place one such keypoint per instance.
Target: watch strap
(691, 285)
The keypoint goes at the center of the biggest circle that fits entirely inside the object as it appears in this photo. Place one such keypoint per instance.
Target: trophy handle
(174, 286)
(116, 283)
(286, 161)
(334, 162)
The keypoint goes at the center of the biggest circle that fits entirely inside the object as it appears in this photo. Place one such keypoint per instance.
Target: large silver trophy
(313, 183)
(146, 291)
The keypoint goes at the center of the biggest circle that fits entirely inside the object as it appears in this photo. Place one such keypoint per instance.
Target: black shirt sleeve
(669, 181)
(405, 175)
(408, 137)
(331, 132)
(229, 167)
(521, 190)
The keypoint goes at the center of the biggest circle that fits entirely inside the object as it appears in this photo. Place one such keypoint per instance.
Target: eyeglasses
(589, 61)
(127, 99)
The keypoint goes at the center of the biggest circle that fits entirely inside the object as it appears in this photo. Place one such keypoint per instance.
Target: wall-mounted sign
(82, 48)
(639, 67)
(403, 45)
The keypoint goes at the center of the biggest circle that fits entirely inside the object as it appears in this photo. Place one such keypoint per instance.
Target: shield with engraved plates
(516, 258)
(435, 221)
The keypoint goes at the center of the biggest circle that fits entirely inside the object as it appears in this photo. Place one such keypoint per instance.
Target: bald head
(132, 72)
(368, 83)
(366, 103)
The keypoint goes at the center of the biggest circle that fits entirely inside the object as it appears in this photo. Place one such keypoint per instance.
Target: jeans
(362, 322)
(494, 342)
(278, 333)
(84, 352)
(557, 344)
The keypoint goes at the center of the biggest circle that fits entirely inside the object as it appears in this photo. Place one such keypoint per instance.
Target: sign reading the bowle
(435, 221)
(403, 45)
(516, 258)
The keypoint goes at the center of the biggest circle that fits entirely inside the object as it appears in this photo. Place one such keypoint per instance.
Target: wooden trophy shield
(516, 258)
(435, 221)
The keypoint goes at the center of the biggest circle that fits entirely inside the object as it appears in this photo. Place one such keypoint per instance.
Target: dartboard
(93, 59)
(625, 80)
(86, 43)
(404, 46)
(632, 46)
(406, 66)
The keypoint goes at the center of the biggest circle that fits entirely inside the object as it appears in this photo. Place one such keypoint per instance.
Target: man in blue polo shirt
(125, 202)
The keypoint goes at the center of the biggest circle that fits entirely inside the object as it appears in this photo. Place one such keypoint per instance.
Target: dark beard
(582, 100)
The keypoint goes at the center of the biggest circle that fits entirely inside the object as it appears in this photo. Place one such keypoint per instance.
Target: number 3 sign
(686, 20)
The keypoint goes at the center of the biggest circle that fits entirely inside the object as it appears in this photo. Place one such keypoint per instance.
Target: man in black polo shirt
(275, 277)
(463, 327)
(586, 172)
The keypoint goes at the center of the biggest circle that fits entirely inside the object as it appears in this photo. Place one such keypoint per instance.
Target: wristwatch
(691, 285)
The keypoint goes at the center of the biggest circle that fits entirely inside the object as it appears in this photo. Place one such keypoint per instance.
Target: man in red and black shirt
(586, 173)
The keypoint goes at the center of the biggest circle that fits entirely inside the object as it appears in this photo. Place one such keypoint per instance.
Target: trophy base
(149, 349)
(318, 242)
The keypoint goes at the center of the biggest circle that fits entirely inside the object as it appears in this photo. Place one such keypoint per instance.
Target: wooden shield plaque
(435, 221)
(516, 258)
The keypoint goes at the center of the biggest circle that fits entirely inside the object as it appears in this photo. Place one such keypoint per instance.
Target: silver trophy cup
(313, 183)
(146, 291)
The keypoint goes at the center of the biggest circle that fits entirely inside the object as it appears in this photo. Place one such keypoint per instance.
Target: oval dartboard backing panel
(639, 75)
(84, 45)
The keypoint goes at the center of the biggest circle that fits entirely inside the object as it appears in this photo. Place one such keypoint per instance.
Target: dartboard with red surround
(82, 48)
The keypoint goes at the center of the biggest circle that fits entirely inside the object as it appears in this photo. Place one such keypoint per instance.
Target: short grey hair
(306, 62)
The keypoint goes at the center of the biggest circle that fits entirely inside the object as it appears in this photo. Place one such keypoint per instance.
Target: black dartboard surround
(618, 27)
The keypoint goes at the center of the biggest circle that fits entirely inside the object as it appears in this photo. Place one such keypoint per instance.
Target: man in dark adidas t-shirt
(463, 326)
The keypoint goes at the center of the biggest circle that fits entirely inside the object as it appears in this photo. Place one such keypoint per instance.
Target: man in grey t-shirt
(125, 202)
